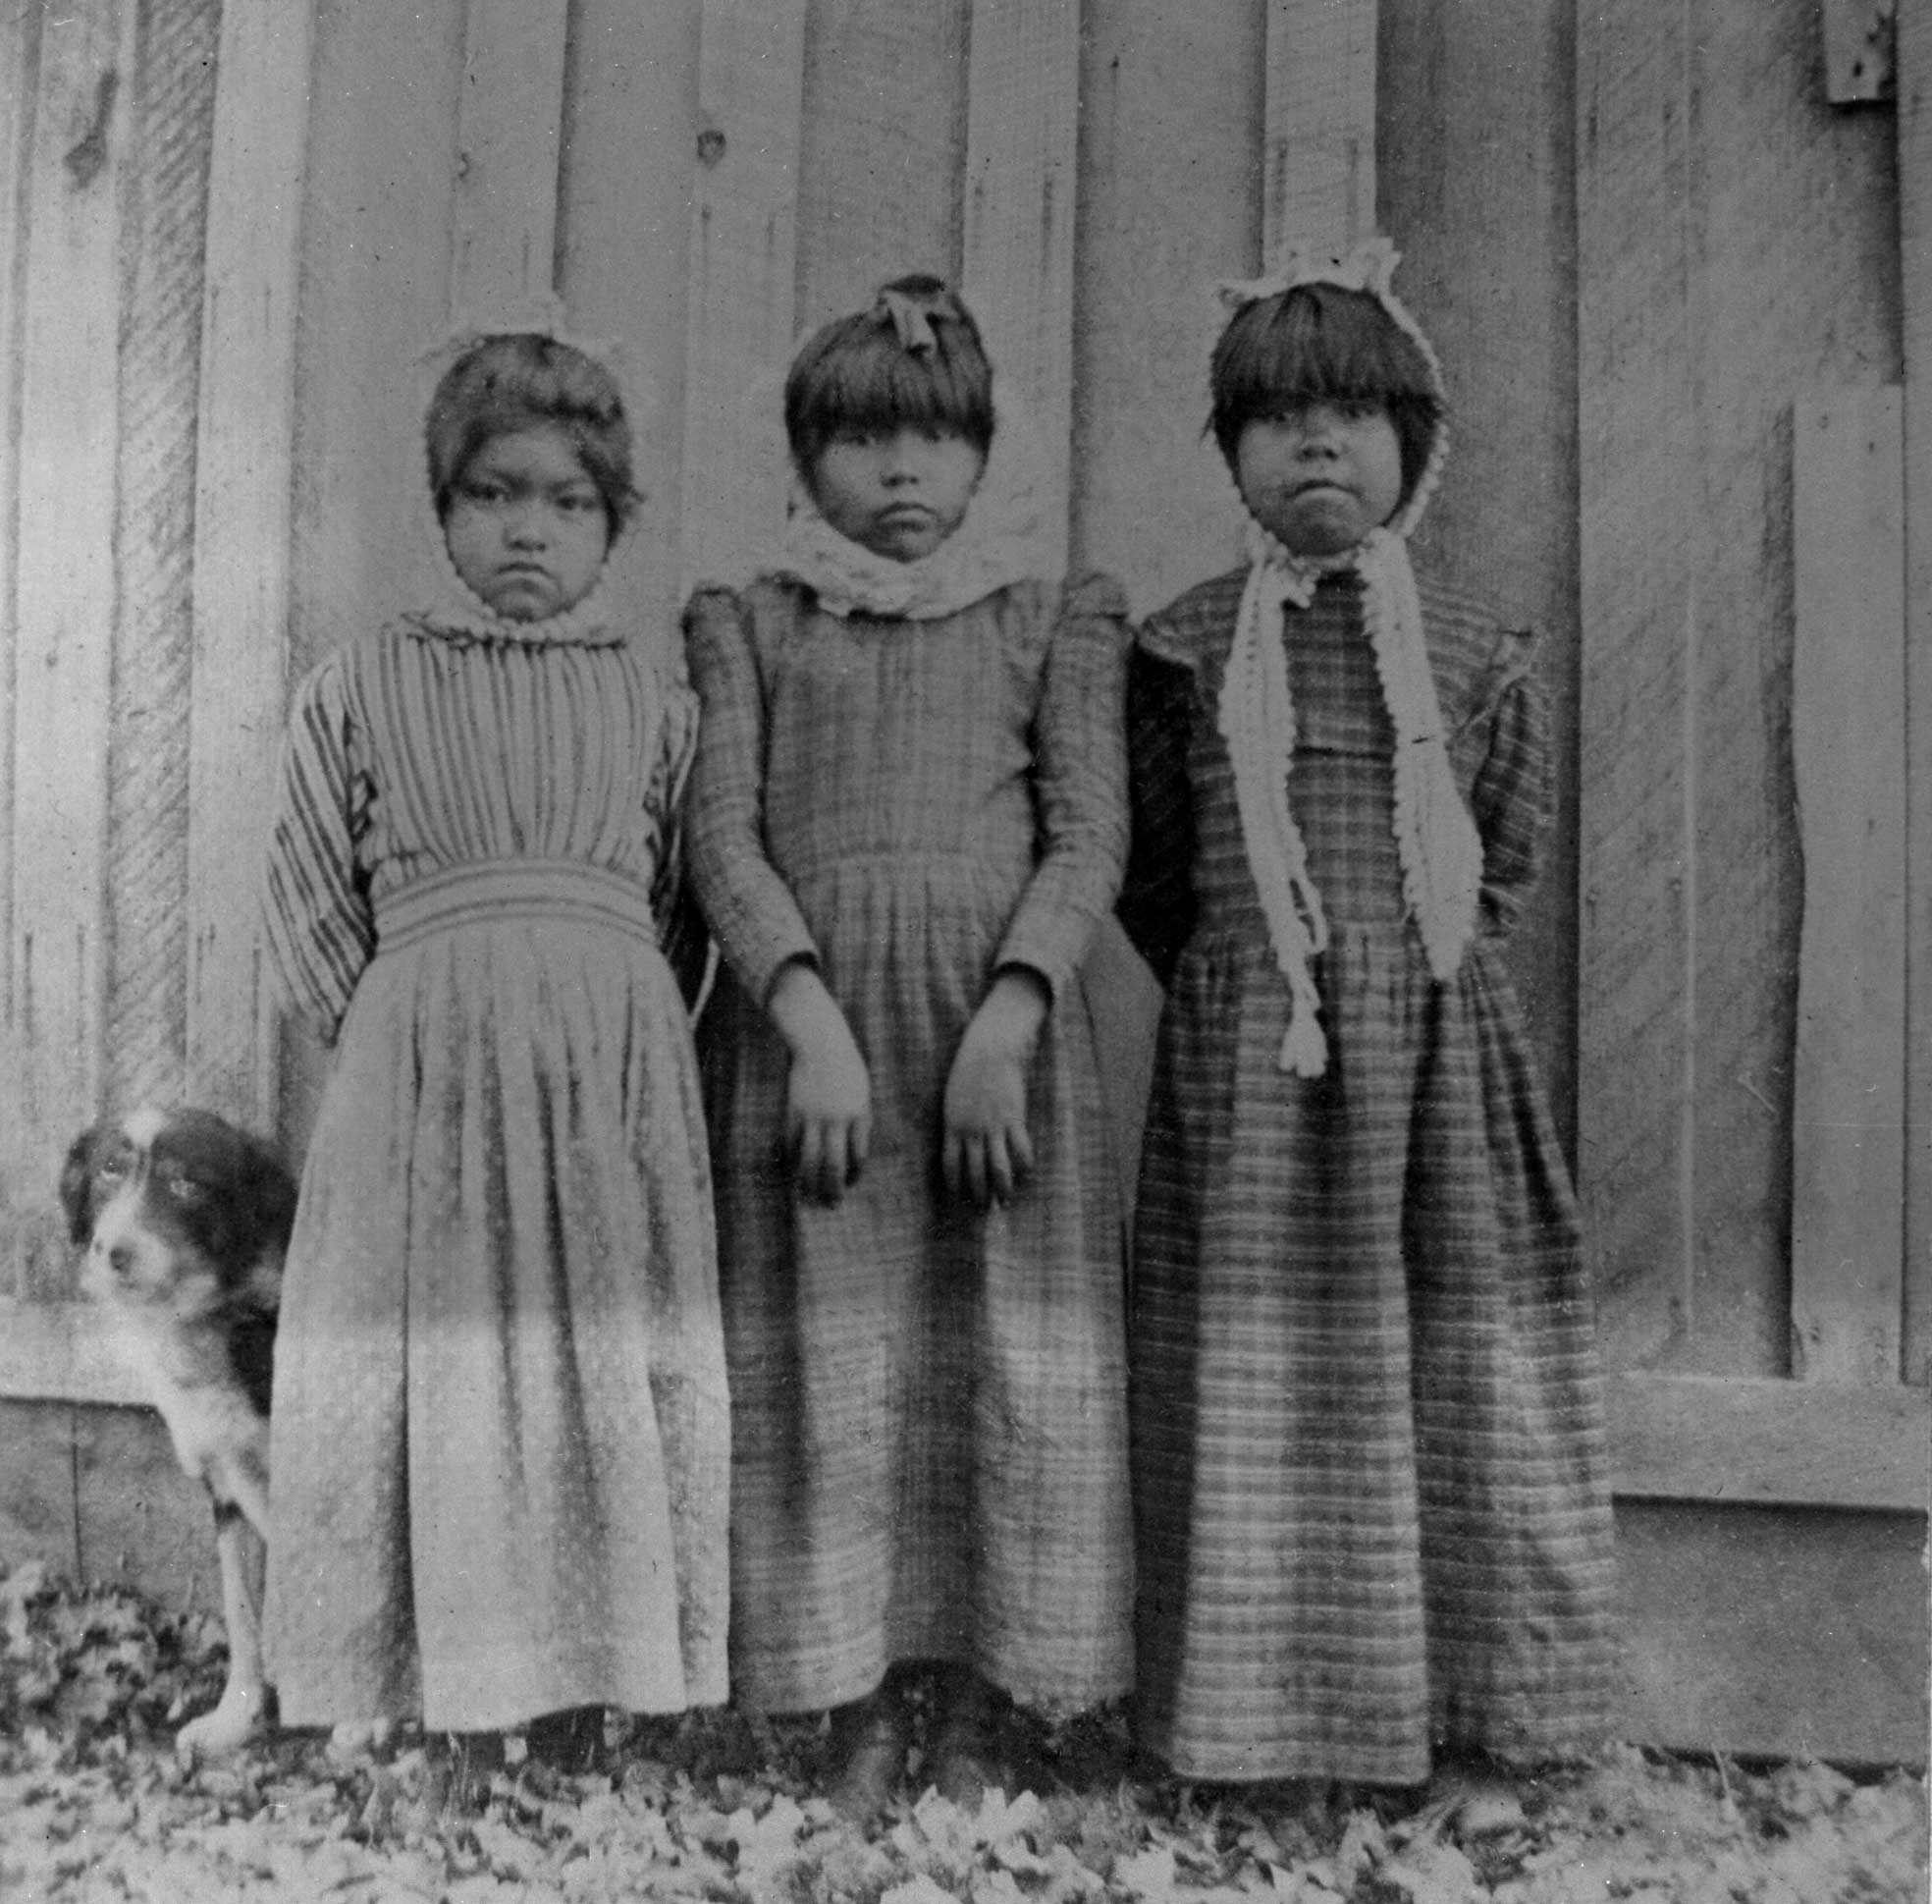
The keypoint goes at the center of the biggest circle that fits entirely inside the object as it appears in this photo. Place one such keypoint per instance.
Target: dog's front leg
(244, 1566)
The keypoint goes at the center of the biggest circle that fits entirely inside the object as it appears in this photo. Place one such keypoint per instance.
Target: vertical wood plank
(624, 223)
(164, 215)
(377, 220)
(1171, 119)
(882, 148)
(1475, 178)
(1849, 756)
(242, 526)
(65, 576)
(1914, 171)
(1023, 96)
(19, 59)
(1638, 563)
(1320, 135)
(743, 261)
(508, 133)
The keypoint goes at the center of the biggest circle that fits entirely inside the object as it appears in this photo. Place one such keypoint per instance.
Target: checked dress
(1367, 1420)
(928, 1455)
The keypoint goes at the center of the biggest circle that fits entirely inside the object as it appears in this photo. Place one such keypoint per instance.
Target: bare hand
(829, 1093)
(986, 1153)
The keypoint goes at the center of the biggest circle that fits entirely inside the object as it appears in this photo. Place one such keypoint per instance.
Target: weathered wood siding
(1678, 292)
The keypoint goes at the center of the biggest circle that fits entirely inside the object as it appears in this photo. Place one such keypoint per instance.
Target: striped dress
(1369, 1444)
(500, 1437)
(929, 1402)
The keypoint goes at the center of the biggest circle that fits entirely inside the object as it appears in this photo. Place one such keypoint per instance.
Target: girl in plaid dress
(1368, 1426)
(500, 1429)
(907, 817)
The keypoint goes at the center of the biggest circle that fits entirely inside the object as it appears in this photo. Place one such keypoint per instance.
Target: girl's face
(899, 493)
(1321, 474)
(527, 526)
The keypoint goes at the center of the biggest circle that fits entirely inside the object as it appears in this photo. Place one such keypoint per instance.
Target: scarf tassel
(1305, 1048)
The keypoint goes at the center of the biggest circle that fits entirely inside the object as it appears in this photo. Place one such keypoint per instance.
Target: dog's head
(179, 1209)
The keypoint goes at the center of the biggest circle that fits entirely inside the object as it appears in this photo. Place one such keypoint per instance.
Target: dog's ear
(76, 1183)
(271, 1203)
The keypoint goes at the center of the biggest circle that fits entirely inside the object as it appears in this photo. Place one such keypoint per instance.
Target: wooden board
(1787, 1635)
(630, 110)
(1914, 171)
(1849, 760)
(1475, 181)
(244, 511)
(56, 1351)
(140, 1521)
(1319, 136)
(1765, 1441)
(65, 592)
(1023, 90)
(508, 123)
(882, 148)
(38, 1514)
(20, 37)
(1171, 115)
(742, 264)
(1643, 546)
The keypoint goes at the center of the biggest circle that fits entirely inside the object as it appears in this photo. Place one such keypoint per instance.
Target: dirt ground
(94, 1803)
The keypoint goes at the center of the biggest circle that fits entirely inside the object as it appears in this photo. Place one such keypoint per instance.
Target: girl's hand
(987, 1154)
(828, 1098)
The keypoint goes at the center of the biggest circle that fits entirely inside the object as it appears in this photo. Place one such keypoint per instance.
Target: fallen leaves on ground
(94, 1803)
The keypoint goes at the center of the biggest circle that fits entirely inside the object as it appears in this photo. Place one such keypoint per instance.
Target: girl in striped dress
(1369, 1445)
(907, 818)
(500, 1437)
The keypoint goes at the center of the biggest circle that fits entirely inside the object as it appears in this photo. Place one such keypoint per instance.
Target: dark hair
(518, 380)
(1322, 340)
(856, 374)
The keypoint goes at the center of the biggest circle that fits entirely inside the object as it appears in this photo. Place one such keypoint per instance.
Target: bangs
(855, 377)
(518, 380)
(1317, 342)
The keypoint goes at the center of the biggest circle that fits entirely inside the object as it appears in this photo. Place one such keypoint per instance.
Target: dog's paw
(353, 1739)
(238, 1718)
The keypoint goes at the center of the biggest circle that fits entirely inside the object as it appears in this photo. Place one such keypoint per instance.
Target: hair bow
(911, 319)
(1369, 266)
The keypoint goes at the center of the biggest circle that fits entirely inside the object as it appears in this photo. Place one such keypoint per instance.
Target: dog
(185, 1221)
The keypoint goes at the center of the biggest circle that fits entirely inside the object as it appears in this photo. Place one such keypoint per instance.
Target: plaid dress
(929, 1450)
(499, 1426)
(1368, 1419)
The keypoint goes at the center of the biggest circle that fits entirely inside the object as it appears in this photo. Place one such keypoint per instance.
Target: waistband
(492, 892)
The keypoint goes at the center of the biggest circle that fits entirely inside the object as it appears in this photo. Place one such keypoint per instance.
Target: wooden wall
(1672, 282)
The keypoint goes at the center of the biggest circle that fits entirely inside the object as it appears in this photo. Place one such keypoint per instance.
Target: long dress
(929, 1403)
(499, 1440)
(1367, 1417)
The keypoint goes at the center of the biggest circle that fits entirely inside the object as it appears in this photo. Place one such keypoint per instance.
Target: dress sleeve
(753, 915)
(317, 914)
(682, 934)
(1080, 787)
(1156, 903)
(1511, 796)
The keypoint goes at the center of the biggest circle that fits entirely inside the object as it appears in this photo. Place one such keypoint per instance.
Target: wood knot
(86, 159)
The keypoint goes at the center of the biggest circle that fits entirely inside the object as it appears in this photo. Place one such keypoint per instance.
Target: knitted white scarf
(1440, 850)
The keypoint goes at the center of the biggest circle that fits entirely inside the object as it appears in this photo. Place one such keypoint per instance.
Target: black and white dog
(185, 1220)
